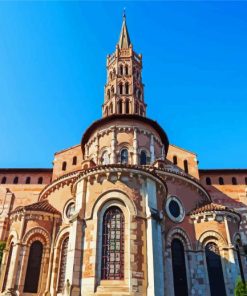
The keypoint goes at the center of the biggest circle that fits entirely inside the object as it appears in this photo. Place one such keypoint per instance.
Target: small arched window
(112, 266)
(64, 166)
(62, 267)
(127, 108)
(105, 159)
(143, 158)
(40, 180)
(124, 156)
(120, 88)
(234, 181)
(208, 181)
(126, 88)
(106, 111)
(33, 268)
(16, 180)
(186, 168)
(120, 107)
(126, 70)
(221, 181)
(175, 159)
(121, 69)
(28, 180)
(4, 180)
(108, 94)
(214, 267)
(74, 161)
(179, 269)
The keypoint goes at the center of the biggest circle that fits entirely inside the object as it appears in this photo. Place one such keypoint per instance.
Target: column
(152, 155)
(113, 146)
(135, 147)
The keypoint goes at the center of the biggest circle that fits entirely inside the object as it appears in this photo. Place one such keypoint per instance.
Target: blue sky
(52, 75)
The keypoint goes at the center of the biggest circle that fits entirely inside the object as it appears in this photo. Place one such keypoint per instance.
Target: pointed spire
(124, 40)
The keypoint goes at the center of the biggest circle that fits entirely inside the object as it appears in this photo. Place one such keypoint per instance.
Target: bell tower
(124, 90)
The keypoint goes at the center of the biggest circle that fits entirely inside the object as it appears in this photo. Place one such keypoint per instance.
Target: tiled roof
(41, 206)
(211, 207)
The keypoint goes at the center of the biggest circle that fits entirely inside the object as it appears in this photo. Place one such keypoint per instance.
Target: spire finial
(124, 13)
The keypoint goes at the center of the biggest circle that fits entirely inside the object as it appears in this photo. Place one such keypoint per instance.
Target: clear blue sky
(52, 75)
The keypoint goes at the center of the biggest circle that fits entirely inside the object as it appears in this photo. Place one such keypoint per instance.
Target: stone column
(155, 272)
(152, 154)
(113, 146)
(135, 147)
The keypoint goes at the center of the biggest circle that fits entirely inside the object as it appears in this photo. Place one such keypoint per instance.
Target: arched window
(62, 267)
(136, 108)
(186, 169)
(126, 70)
(127, 108)
(105, 159)
(108, 94)
(215, 272)
(234, 181)
(106, 111)
(121, 69)
(74, 161)
(33, 268)
(40, 180)
(179, 269)
(175, 159)
(221, 181)
(64, 166)
(120, 88)
(4, 180)
(124, 155)
(7, 266)
(126, 88)
(16, 179)
(112, 91)
(112, 267)
(120, 108)
(238, 244)
(28, 180)
(111, 108)
(143, 158)
(208, 181)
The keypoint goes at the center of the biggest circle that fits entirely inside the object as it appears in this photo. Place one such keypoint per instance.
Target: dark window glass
(64, 166)
(175, 159)
(126, 70)
(40, 180)
(215, 272)
(221, 181)
(127, 106)
(112, 91)
(62, 268)
(120, 108)
(112, 267)
(16, 179)
(121, 69)
(124, 156)
(186, 169)
(28, 180)
(143, 158)
(4, 180)
(234, 181)
(74, 162)
(127, 88)
(208, 181)
(240, 262)
(174, 208)
(136, 108)
(179, 269)
(108, 94)
(7, 266)
(33, 268)
(120, 89)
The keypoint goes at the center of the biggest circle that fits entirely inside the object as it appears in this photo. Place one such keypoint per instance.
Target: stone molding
(177, 232)
(211, 236)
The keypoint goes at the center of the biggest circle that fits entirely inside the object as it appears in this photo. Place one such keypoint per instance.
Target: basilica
(124, 212)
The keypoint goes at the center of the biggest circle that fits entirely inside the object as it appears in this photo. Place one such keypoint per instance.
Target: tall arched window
(234, 181)
(74, 161)
(179, 269)
(127, 108)
(62, 267)
(111, 108)
(120, 108)
(208, 181)
(126, 88)
(124, 156)
(120, 88)
(221, 181)
(175, 159)
(136, 108)
(16, 179)
(64, 166)
(4, 180)
(126, 70)
(28, 180)
(40, 180)
(143, 158)
(7, 266)
(108, 94)
(238, 244)
(33, 268)
(112, 267)
(121, 69)
(106, 111)
(215, 272)
(186, 168)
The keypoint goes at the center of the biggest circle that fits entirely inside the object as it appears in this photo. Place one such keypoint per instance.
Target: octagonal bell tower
(124, 90)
